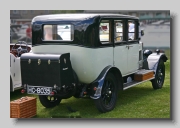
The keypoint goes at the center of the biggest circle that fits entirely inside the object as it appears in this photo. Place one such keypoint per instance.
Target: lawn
(140, 101)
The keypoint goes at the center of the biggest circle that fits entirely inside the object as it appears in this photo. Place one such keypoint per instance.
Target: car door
(106, 40)
(120, 49)
(133, 46)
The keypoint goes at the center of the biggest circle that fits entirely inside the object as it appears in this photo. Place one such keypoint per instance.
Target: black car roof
(81, 16)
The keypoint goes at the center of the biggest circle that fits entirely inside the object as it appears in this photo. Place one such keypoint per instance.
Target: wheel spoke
(109, 99)
(106, 84)
(104, 99)
(110, 85)
(50, 98)
(107, 93)
(160, 76)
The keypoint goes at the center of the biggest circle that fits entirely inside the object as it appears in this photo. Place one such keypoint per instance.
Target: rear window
(63, 32)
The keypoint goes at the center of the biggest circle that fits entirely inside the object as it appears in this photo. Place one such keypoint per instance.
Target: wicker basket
(24, 107)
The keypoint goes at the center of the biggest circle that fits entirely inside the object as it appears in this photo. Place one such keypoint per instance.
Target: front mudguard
(154, 59)
(98, 83)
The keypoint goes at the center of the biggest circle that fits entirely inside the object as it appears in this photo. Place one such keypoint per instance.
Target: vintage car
(16, 50)
(88, 55)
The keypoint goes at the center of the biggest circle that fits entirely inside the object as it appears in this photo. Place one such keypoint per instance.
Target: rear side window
(131, 30)
(118, 31)
(63, 32)
(104, 31)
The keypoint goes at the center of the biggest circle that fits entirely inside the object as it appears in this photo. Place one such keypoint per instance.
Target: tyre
(158, 82)
(77, 94)
(109, 92)
(49, 101)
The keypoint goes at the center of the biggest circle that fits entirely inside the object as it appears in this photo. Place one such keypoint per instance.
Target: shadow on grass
(81, 106)
(87, 109)
(135, 93)
(17, 94)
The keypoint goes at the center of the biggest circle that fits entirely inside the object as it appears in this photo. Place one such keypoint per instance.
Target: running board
(133, 83)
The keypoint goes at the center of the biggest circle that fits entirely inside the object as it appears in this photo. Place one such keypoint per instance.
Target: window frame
(126, 41)
(136, 32)
(111, 29)
(123, 29)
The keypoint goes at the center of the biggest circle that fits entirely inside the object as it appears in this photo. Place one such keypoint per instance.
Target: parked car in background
(16, 50)
(14, 34)
(26, 34)
(22, 31)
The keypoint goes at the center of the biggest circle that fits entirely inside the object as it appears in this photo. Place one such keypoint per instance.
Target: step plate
(133, 83)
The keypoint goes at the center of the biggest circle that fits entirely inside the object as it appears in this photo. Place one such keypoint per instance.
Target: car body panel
(83, 59)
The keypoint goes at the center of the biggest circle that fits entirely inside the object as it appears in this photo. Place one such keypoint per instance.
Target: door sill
(134, 83)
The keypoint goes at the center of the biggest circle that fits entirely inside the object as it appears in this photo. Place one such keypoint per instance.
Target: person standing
(29, 32)
(49, 35)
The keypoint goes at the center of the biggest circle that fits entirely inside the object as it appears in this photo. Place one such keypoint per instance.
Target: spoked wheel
(158, 82)
(108, 98)
(49, 101)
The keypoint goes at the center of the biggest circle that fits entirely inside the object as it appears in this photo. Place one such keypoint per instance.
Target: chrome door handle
(128, 46)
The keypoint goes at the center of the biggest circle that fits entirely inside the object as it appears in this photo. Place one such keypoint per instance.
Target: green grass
(141, 101)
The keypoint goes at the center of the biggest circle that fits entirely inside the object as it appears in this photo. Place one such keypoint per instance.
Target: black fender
(153, 60)
(98, 83)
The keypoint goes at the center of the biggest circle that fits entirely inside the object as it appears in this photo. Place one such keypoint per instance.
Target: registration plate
(39, 90)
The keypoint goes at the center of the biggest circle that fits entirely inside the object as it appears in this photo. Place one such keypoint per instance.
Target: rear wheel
(109, 91)
(158, 82)
(49, 101)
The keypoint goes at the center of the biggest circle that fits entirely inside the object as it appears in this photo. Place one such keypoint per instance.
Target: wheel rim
(160, 76)
(108, 93)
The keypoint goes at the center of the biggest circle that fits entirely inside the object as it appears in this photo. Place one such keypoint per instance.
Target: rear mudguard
(98, 83)
(153, 60)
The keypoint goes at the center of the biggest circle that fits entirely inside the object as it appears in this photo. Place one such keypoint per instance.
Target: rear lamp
(23, 91)
(52, 93)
